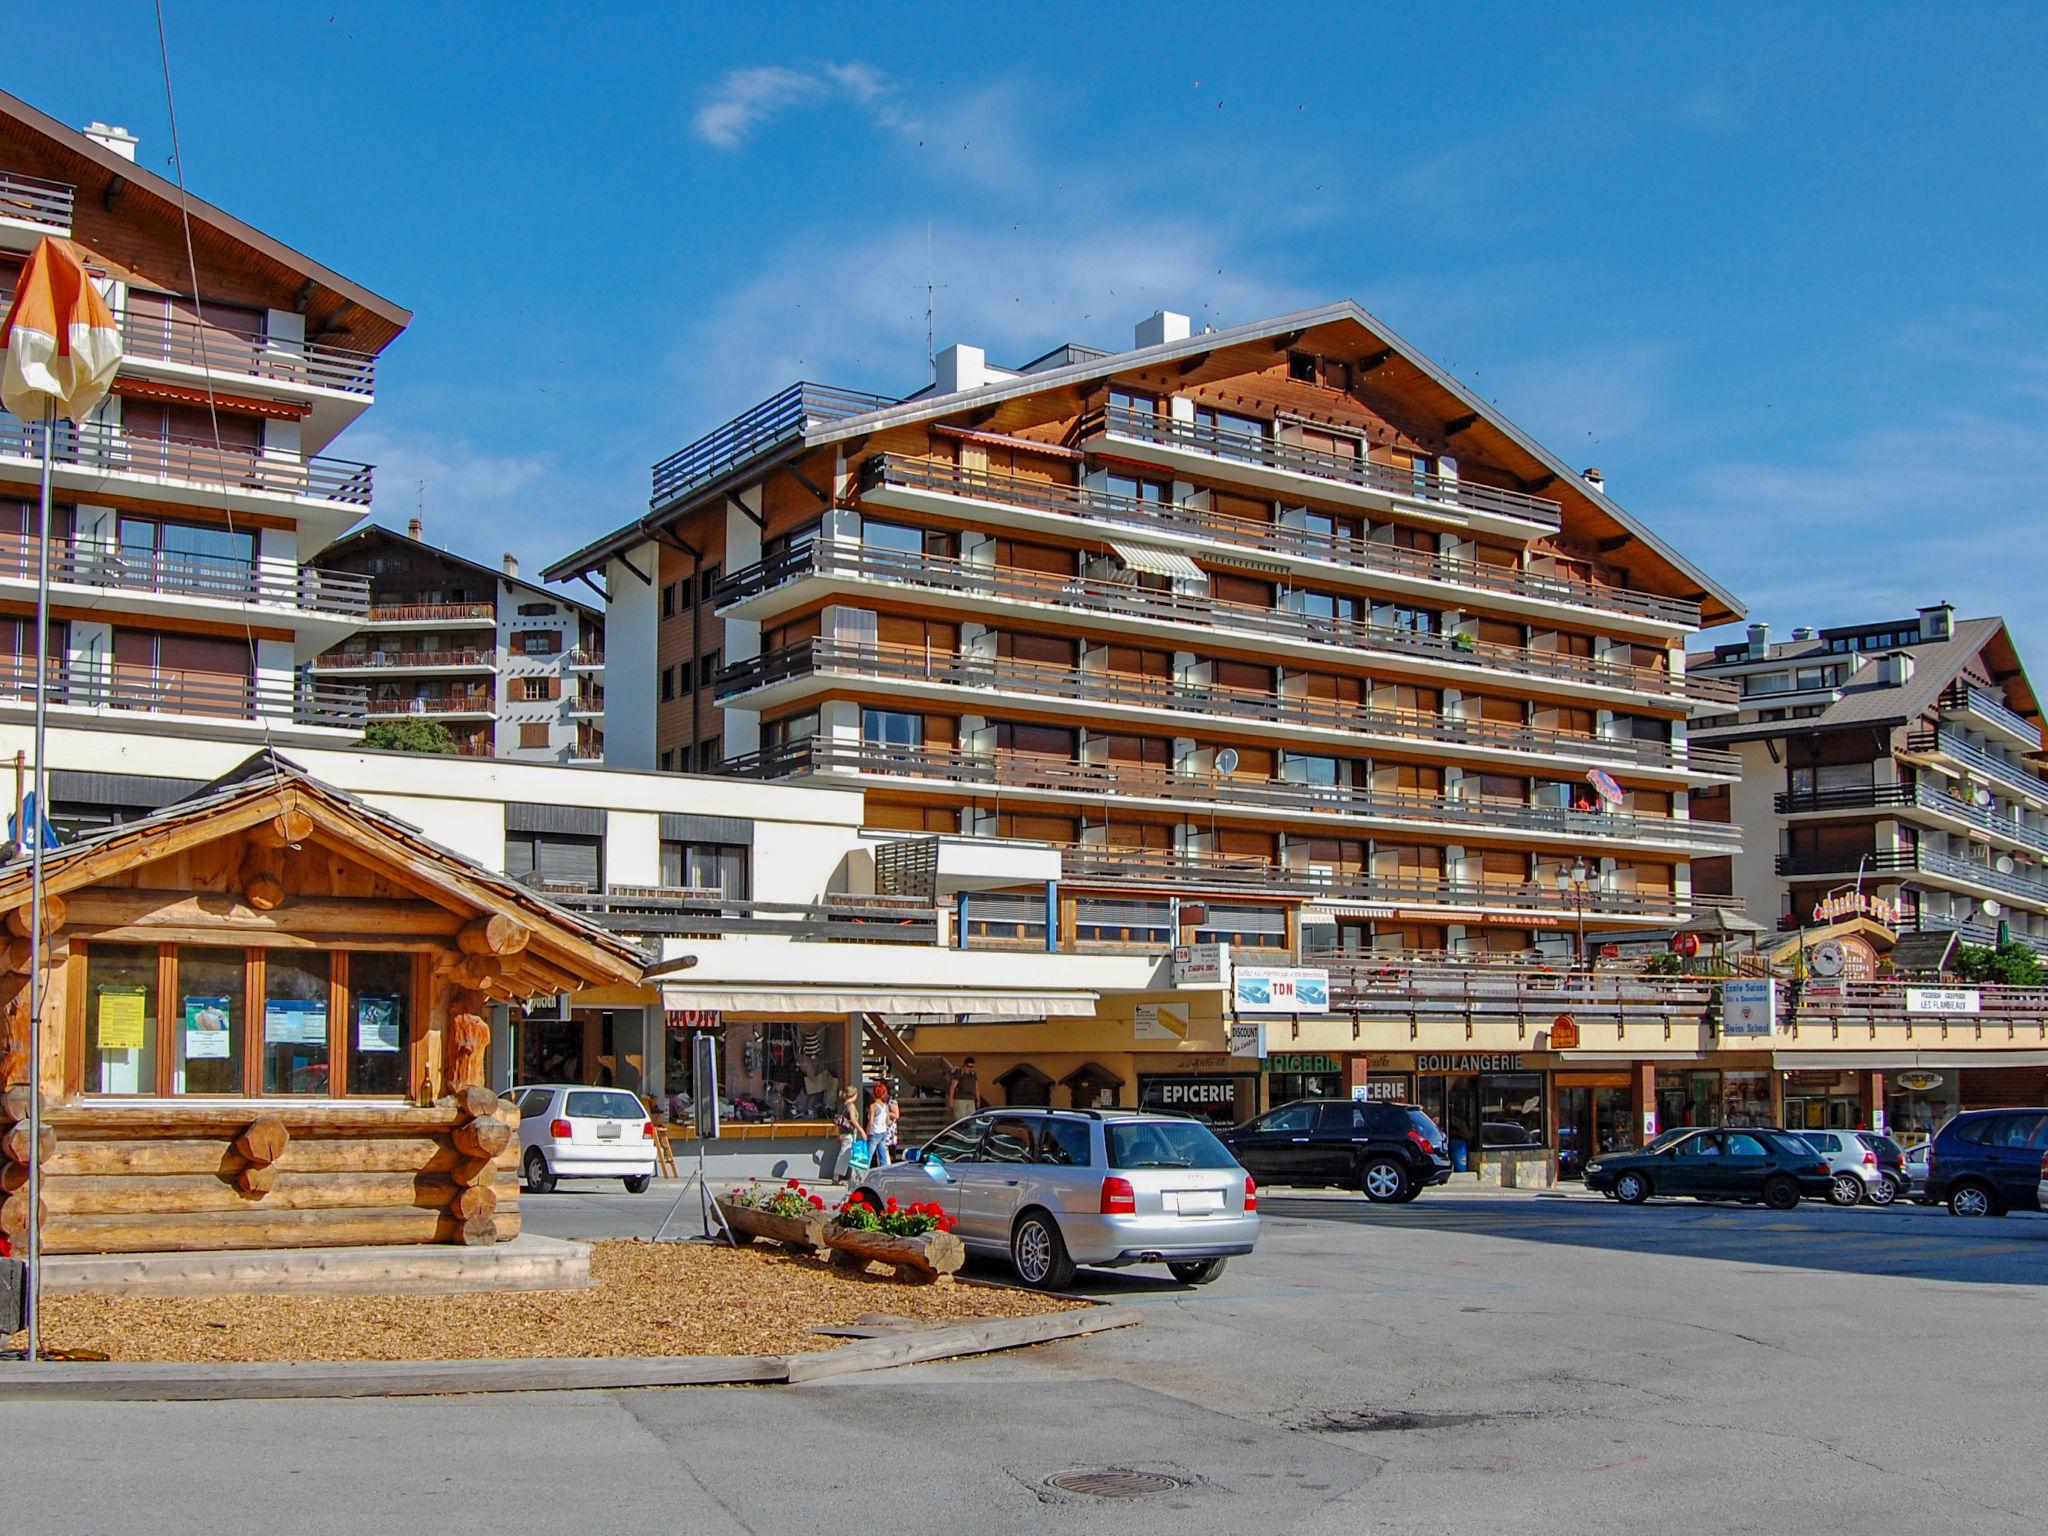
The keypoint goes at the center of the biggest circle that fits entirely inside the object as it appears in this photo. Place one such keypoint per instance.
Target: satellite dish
(1981, 795)
(1989, 907)
(1226, 760)
(2004, 865)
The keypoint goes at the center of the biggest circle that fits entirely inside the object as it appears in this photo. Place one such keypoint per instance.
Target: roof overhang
(949, 1002)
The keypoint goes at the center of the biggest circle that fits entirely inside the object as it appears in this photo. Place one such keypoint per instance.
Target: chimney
(108, 136)
(511, 565)
(1895, 668)
(960, 367)
(1595, 479)
(1759, 641)
(1805, 632)
(1938, 622)
(1163, 326)
(416, 530)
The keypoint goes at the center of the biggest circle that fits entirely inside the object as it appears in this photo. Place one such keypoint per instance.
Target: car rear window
(603, 1104)
(1417, 1120)
(1165, 1144)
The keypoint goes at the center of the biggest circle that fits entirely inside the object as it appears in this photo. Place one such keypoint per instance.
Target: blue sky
(1776, 270)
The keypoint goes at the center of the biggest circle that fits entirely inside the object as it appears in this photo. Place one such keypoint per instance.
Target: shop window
(1511, 1110)
(379, 1022)
(296, 990)
(121, 1018)
(212, 1011)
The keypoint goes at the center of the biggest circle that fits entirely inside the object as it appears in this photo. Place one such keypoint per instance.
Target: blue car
(1986, 1162)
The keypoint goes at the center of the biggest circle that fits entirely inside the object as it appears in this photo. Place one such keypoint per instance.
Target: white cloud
(745, 99)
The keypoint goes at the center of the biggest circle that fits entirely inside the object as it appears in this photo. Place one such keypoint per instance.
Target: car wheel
(1885, 1190)
(1039, 1253)
(1411, 1194)
(1384, 1181)
(1781, 1193)
(538, 1180)
(1845, 1189)
(1197, 1272)
(1631, 1189)
(1971, 1200)
(639, 1184)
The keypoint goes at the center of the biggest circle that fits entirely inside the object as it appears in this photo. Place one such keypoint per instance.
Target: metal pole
(39, 779)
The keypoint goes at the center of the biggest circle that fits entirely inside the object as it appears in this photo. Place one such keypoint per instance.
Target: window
(1320, 605)
(533, 733)
(1301, 367)
(1511, 1110)
(668, 684)
(686, 676)
(212, 1013)
(380, 1021)
(1298, 769)
(536, 1102)
(668, 759)
(1138, 488)
(1295, 1118)
(1415, 621)
(1010, 1139)
(121, 1018)
(1165, 1144)
(708, 666)
(1130, 403)
(2015, 1131)
(891, 728)
(707, 582)
(571, 859)
(958, 1143)
(1065, 1142)
(534, 689)
(296, 990)
(711, 754)
(538, 610)
(1229, 435)
(720, 867)
(668, 601)
(536, 642)
(791, 729)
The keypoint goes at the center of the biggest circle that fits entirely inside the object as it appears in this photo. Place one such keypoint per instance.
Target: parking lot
(1469, 1362)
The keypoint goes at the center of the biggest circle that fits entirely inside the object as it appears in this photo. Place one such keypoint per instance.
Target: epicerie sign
(1262, 990)
(1944, 1000)
(1749, 1006)
(1196, 1092)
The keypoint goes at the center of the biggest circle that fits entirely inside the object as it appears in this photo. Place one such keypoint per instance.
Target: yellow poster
(123, 1012)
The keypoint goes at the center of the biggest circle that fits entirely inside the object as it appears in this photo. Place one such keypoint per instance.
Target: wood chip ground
(648, 1299)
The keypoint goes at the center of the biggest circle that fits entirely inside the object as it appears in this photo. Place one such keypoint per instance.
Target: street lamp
(1575, 884)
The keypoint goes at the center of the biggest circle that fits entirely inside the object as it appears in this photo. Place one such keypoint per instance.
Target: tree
(404, 735)
(2011, 964)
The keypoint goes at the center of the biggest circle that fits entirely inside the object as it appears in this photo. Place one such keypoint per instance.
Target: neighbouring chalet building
(1899, 760)
(510, 668)
(188, 506)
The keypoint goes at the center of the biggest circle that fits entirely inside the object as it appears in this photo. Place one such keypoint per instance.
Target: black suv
(1987, 1162)
(1391, 1151)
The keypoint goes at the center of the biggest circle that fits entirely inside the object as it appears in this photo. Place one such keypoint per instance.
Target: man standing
(966, 1094)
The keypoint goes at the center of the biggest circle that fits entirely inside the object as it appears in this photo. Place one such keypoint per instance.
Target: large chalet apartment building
(185, 508)
(1279, 633)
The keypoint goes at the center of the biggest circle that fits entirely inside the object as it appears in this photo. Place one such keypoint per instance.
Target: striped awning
(1154, 561)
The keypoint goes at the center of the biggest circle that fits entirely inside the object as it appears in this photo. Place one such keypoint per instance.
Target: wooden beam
(1195, 364)
(1539, 485)
(746, 511)
(111, 907)
(807, 483)
(1375, 360)
(1608, 546)
(1461, 424)
(498, 933)
(981, 418)
(53, 917)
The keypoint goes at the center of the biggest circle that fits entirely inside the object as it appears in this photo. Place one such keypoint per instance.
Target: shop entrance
(1453, 1103)
(1593, 1116)
(1821, 1101)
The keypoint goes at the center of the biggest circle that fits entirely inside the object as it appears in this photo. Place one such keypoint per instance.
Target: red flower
(817, 1203)
(792, 1184)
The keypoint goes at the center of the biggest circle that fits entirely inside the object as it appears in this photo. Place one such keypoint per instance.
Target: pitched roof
(378, 533)
(268, 783)
(1721, 604)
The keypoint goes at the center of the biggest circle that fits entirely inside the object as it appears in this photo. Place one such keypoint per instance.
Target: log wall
(175, 1178)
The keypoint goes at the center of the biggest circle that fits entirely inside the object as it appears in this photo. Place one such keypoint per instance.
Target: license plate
(607, 1133)
(1194, 1202)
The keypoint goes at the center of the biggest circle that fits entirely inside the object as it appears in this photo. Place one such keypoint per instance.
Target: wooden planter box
(802, 1232)
(913, 1258)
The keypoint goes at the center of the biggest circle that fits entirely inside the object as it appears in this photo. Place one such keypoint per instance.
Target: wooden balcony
(209, 578)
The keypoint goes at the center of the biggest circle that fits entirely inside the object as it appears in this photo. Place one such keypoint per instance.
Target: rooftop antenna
(931, 355)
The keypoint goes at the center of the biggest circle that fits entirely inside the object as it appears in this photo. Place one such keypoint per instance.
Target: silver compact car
(1051, 1189)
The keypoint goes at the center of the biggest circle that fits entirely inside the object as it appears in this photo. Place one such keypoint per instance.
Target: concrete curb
(181, 1382)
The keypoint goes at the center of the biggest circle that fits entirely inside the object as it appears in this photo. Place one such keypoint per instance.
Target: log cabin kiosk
(265, 1027)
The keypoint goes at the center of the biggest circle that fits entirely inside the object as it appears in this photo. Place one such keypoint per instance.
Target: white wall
(632, 618)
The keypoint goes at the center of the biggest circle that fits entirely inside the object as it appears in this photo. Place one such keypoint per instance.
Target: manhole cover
(1114, 1484)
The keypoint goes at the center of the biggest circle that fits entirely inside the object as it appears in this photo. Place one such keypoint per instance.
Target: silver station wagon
(1052, 1189)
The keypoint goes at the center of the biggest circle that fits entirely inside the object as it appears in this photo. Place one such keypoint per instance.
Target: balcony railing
(32, 200)
(1884, 1002)
(891, 470)
(1389, 988)
(788, 414)
(1122, 599)
(195, 694)
(211, 577)
(689, 913)
(475, 701)
(1132, 781)
(1962, 698)
(405, 661)
(582, 660)
(107, 450)
(1952, 745)
(431, 613)
(1436, 492)
(1909, 861)
(948, 669)
(1985, 818)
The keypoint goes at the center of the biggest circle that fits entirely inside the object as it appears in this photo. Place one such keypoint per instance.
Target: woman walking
(881, 1121)
(846, 1122)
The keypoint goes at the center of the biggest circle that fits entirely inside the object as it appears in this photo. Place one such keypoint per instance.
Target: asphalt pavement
(1473, 1362)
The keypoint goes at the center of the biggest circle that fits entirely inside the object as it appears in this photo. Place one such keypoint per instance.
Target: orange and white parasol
(62, 346)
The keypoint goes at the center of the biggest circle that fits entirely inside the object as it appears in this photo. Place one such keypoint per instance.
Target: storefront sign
(1303, 1061)
(1382, 1090)
(1749, 1006)
(1247, 1039)
(1261, 989)
(1194, 1092)
(1200, 965)
(693, 1018)
(1157, 1021)
(1943, 1000)
(1469, 1062)
(1564, 1033)
(1918, 1081)
(1832, 909)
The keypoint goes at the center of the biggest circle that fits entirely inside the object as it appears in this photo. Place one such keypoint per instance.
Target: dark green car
(1774, 1167)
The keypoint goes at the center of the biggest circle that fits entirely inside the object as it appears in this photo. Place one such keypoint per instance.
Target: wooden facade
(265, 1025)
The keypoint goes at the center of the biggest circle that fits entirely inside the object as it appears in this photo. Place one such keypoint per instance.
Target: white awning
(797, 998)
(1154, 561)
(1902, 1061)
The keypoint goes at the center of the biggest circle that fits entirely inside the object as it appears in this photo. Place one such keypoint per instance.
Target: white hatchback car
(569, 1131)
